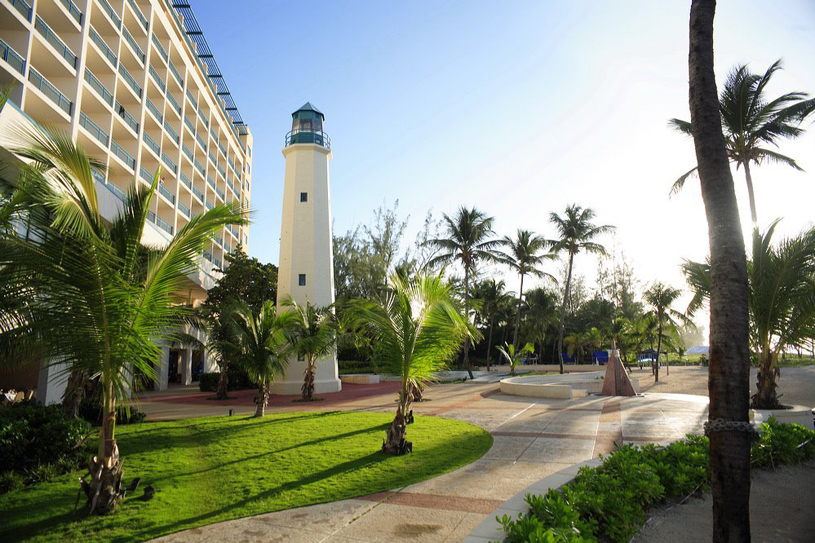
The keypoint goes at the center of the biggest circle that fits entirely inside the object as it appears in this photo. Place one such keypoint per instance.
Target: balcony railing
(176, 74)
(164, 191)
(212, 158)
(154, 110)
(199, 167)
(201, 142)
(132, 42)
(117, 22)
(50, 91)
(130, 81)
(189, 124)
(119, 193)
(97, 85)
(157, 78)
(101, 44)
(73, 11)
(139, 14)
(222, 148)
(203, 118)
(54, 40)
(221, 170)
(184, 210)
(158, 221)
(169, 162)
(123, 155)
(151, 144)
(187, 151)
(186, 181)
(211, 182)
(198, 194)
(220, 193)
(171, 99)
(86, 123)
(191, 99)
(308, 136)
(172, 133)
(162, 51)
(219, 240)
(22, 7)
(10, 55)
(128, 118)
(209, 205)
(146, 175)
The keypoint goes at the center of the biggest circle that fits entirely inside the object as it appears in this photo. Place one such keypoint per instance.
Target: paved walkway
(533, 438)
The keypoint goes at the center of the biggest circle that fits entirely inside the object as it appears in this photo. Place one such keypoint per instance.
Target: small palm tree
(490, 294)
(524, 257)
(259, 342)
(781, 300)
(576, 344)
(577, 233)
(751, 122)
(470, 241)
(417, 329)
(512, 358)
(313, 334)
(96, 300)
(541, 314)
(660, 297)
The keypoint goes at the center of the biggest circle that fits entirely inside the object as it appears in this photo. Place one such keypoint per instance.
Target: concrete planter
(797, 414)
(360, 378)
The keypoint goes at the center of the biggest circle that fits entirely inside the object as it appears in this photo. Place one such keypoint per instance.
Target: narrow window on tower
(301, 279)
(304, 196)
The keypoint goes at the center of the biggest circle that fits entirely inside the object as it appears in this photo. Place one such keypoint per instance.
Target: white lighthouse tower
(306, 271)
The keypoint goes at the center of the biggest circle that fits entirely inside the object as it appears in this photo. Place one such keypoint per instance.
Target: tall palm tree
(524, 256)
(470, 241)
(95, 299)
(491, 294)
(259, 342)
(416, 330)
(577, 232)
(660, 297)
(781, 301)
(729, 371)
(751, 121)
(542, 314)
(314, 335)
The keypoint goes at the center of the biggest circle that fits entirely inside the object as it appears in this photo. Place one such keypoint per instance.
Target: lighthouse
(306, 270)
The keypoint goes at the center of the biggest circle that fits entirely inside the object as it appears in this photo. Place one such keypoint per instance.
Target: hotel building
(135, 84)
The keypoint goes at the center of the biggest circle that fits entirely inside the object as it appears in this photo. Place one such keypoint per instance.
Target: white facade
(306, 270)
(134, 84)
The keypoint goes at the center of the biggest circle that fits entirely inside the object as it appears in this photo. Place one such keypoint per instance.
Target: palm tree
(416, 330)
(469, 240)
(541, 314)
(577, 343)
(259, 342)
(660, 297)
(751, 121)
(512, 357)
(524, 257)
(491, 294)
(313, 334)
(729, 371)
(781, 302)
(95, 299)
(577, 233)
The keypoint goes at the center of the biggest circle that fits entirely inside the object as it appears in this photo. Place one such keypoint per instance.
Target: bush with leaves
(609, 502)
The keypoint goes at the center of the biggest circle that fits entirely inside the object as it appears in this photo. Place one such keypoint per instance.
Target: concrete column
(51, 382)
(185, 363)
(162, 371)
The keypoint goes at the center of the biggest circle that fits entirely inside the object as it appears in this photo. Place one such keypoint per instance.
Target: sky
(518, 108)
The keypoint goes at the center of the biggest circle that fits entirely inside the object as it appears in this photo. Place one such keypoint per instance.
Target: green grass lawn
(219, 468)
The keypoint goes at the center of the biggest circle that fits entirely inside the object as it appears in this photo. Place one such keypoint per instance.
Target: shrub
(91, 410)
(38, 443)
(609, 502)
(238, 380)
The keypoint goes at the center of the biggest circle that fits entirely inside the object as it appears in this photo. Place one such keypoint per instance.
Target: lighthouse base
(326, 379)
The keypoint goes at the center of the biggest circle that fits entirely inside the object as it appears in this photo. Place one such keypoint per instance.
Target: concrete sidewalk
(533, 438)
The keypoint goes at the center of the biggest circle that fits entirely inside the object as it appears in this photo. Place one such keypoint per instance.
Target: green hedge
(609, 502)
(238, 380)
(38, 443)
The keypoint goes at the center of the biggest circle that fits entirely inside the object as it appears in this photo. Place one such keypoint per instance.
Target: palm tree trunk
(563, 312)
(729, 370)
(308, 381)
(223, 382)
(765, 396)
(105, 487)
(74, 392)
(262, 399)
(489, 341)
(518, 315)
(659, 348)
(751, 195)
(395, 442)
(467, 316)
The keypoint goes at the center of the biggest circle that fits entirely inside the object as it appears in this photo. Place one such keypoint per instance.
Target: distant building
(135, 84)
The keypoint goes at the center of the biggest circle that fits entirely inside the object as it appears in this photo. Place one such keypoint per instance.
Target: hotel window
(301, 280)
(304, 196)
